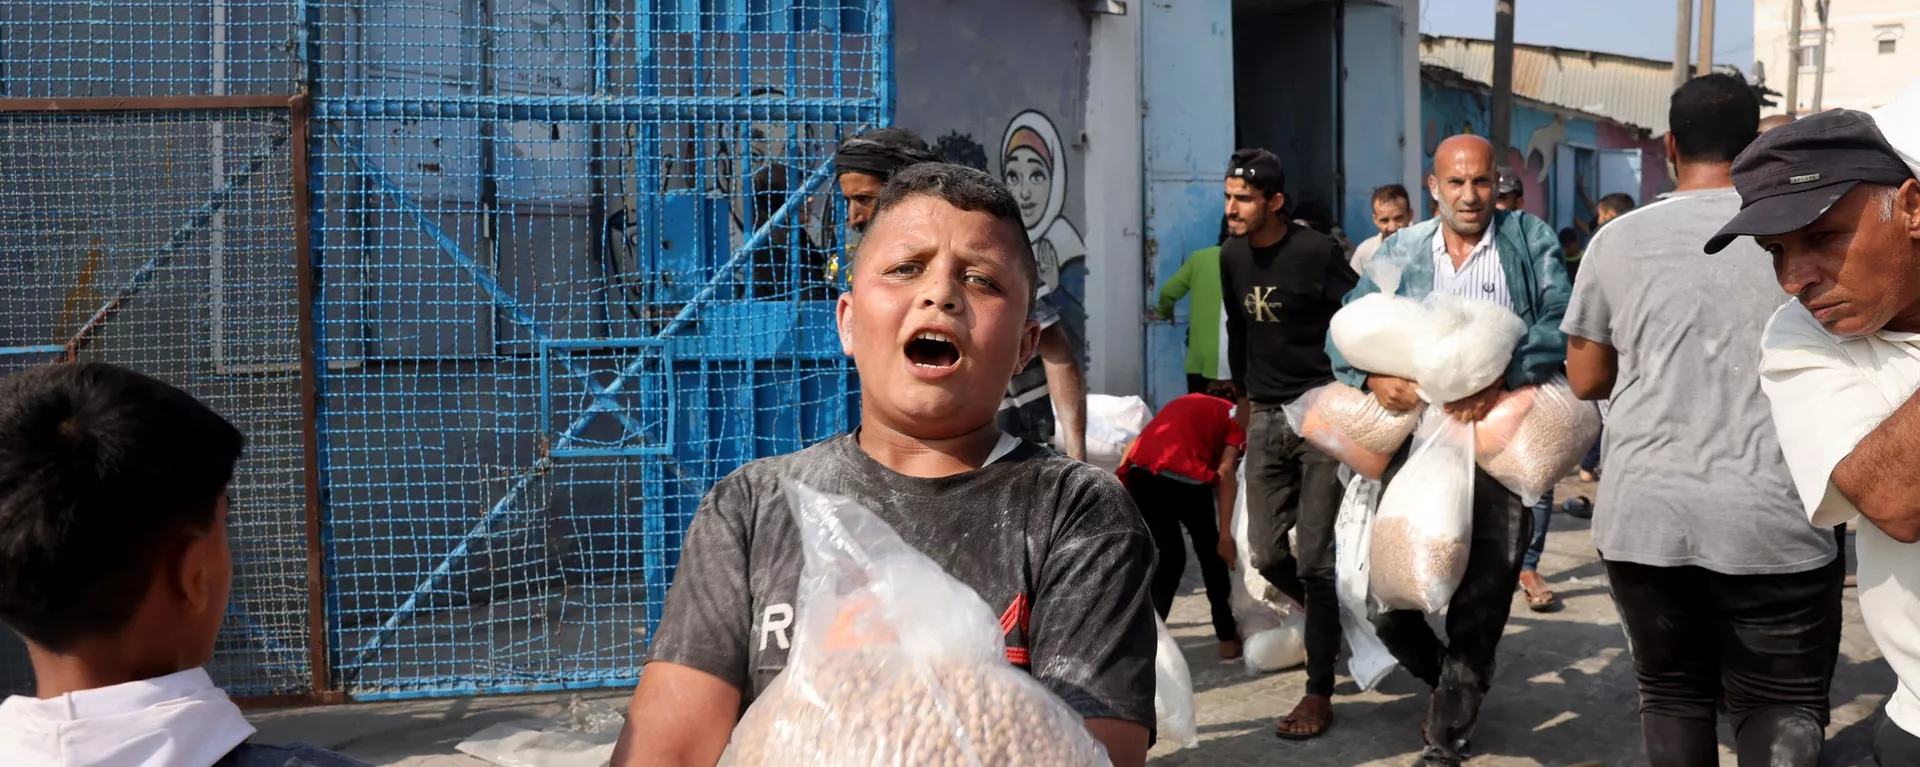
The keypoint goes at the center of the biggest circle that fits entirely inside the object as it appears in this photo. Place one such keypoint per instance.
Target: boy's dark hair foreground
(974, 191)
(102, 471)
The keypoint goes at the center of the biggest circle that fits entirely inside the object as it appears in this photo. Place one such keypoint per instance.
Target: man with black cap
(1282, 282)
(1838, 208)
(1730, 600)
(1052, 384)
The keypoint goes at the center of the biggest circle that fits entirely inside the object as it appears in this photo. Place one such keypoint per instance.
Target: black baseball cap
(1790, 176)
(1259, 168)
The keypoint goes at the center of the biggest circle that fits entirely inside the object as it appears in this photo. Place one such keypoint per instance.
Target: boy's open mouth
(931, 349)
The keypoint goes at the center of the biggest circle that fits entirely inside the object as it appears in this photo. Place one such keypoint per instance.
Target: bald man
(1514, 260)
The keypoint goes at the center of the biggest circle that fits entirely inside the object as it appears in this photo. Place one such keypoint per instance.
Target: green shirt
(1200, 276)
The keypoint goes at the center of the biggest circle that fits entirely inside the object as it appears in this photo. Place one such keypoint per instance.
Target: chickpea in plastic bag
(895, 662)
(1534, 436)
(1423, 530)
(1351, 426)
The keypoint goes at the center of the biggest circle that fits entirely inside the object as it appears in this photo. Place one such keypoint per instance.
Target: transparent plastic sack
(1273, 628)
(1534, 436)
(1351, 426)
(1173, 692)
(1382, 333)
(1472, 342)
(1368, 659)
(896, 663)
(1422, 533)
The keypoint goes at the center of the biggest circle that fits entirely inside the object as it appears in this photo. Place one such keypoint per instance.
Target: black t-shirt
(1279, 300)
(1053, 544)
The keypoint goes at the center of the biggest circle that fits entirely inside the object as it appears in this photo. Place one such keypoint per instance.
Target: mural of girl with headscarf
(1033, 163)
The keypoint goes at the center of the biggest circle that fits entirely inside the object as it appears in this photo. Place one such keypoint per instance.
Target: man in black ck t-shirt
(1281, 284)
(936, 318)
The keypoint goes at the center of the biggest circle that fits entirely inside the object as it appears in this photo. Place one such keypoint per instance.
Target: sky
(1632, 27)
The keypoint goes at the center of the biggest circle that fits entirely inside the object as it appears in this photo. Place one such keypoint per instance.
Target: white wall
(1114, 192)
(1858, 75)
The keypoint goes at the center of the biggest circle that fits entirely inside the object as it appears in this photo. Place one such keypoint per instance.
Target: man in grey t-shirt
(1723, 586)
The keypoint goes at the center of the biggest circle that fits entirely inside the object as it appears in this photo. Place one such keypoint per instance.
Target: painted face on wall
(1031, 164)
(1031, 179)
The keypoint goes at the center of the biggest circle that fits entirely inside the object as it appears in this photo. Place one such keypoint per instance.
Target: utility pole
(1682, 44)
(1500, 123)
(1706, 39)
(1793, 58)
(1820, 61)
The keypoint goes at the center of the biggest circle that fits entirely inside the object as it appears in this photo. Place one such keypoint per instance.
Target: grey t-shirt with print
(1052, 544)
(1693, 469)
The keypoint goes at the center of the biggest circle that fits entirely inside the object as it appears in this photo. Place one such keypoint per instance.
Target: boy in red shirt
(1191, 448)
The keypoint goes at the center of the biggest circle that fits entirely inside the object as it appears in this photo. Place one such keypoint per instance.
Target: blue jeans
(1542, 515)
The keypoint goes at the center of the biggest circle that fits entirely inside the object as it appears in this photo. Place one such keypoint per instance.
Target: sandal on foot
(1309, 719)
(1540, 597)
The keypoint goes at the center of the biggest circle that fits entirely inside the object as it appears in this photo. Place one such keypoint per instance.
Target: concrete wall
(1859, 76)
(977, 76)
(1116, 197)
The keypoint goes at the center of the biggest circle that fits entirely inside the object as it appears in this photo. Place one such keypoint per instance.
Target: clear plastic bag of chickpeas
(895, 662)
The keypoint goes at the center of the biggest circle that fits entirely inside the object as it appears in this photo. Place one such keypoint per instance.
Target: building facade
(1113, 122)
(1869, 48)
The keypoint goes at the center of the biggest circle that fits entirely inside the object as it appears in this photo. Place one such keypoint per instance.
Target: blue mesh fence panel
(574, 266)
(80, 48)
(163, 242)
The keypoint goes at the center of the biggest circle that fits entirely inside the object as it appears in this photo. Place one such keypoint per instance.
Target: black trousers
(1169, 505)
(1460, 670)
(1292, 486)
(1761, 647)
(1894, 747)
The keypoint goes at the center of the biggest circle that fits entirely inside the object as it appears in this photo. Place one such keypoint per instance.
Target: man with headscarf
(862, 165)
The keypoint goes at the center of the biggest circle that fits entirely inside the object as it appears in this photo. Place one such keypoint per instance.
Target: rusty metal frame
(300, 119)
(299, 110)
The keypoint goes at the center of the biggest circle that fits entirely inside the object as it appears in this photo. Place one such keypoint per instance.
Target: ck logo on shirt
(1260, 306)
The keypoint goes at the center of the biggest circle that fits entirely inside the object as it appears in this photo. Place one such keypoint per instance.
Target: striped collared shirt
(1480, 277)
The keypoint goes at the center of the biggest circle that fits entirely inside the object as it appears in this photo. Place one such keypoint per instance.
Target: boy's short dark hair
(102, 470)
(1713, 118)
(1618, 203)
(1568, 236)
(968, 189)
(1392, 193)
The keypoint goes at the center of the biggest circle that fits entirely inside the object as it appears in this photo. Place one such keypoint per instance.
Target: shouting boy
(936, 320)
(115, 568)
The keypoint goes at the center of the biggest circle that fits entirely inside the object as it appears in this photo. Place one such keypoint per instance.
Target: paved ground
(1563, 695)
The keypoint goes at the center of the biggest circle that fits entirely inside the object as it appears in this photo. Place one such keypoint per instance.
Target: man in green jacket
(1206, 345)
(1512, 259)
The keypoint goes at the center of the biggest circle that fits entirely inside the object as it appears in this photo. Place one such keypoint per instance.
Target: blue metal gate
(567, 267)
(572, 265)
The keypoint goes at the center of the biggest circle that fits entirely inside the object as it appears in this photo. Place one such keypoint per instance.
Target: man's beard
(1451, 218)
(1248, 225)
